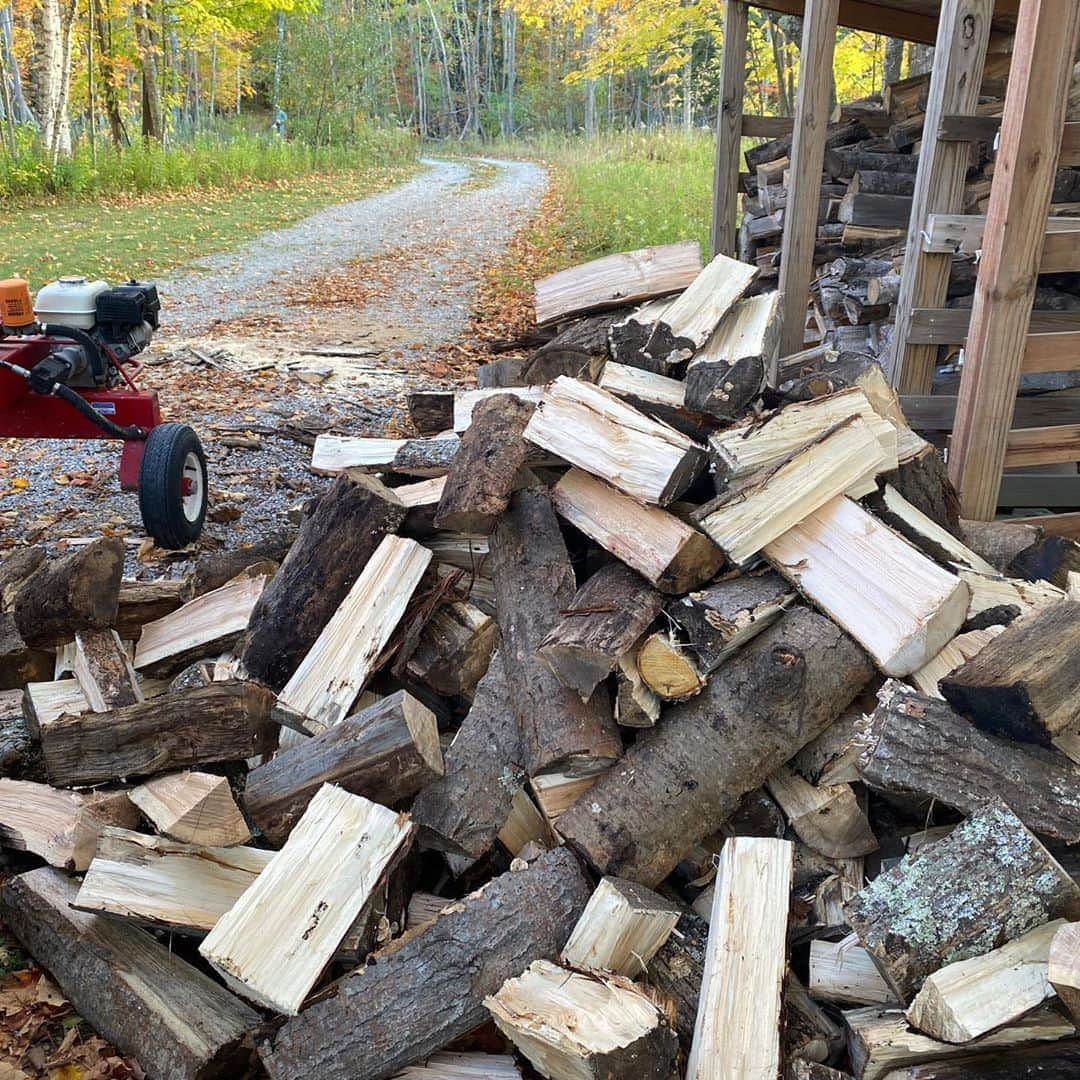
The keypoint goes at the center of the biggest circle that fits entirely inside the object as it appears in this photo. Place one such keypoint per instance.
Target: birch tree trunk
(56, 30)
(19, 110)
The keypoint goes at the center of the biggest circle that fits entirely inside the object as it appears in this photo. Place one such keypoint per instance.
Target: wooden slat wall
(729, 130)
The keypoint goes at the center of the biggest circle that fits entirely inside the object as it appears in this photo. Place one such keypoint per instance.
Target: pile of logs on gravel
(628, 723)
(866, 204)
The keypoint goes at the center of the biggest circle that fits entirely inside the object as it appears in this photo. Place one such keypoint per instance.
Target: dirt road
(320, 325)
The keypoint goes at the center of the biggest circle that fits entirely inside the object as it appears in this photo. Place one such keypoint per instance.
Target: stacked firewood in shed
(866, 204)
(630, 722)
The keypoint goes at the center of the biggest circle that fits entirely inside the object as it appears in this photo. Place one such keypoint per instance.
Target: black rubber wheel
(173, 486)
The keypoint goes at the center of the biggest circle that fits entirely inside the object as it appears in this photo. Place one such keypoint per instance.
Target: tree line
(119, 70)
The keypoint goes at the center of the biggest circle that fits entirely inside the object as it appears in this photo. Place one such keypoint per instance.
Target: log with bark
(483, 473)
(334, 544)
(80, 591)
(386, 752)
(730, 368)
(428, 987)
(916, 918)
(1025, 683)
(453, 651)
(226, 721)
(578, 351)
(602, 622)
(463, 812)
(218, 568)
(19, 663)
(534, 582)
(170, 1017)
(629, 335)
(827, 818)
(104, 671)
(681, 780)
(917, 745)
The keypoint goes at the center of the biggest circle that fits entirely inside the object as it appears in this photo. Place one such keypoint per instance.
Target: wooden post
(963, 35)
(807, 159)
(1015, 228)
(729, 130)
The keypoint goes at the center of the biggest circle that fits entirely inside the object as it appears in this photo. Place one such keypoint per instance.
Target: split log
(914, 918)
(394, 1012)
(142, 602)
(581, 1027)
(621, 929)
(104, 671)
(877, 182)
(600, 433)
(1052, 559)
(482, 475)
(19, 663)
(194, 808)
(209, 624)
(578, 351)
(463, 812)
(925, 533)
(346, 654)
(1025, 683)
(746, 961)
(729, 369)
(431, 411)
(854, 569)
(451, 1066)
(809, 1032)
(717, 621)
(218, 568)
(525, 827)
(828, 818)
(676, 972)
(616, 280)
(745, 448)
(844, 971)
(170, 1017)
(226, 721)
(1063, 967)
(387, 753)
(465, 401)
(882, 1045)
(966, 999)
(556, 792)
(763, 507)
(667, 552)
(603, 620)
(79, 591)
(636, 706)
(334, 544)
(534, 582)
(664, 666)
(628, 337)
(916, 745)
(413, 457)
(166, 884)
(679, 781)
(655, 395)
(61, 827)
(454, 649)
(274, 942)
(876, 210)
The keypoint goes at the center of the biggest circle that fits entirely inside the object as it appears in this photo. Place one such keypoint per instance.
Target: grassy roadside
(147, 235)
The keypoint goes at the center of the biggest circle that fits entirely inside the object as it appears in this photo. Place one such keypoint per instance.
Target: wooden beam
(1042, 446)
(898, 19)
(963, 233)
(1067, 525)
(936, 412)
(949, 326)
(729, 131)
(807, 161)
(1050, 490)
(1019, 204)
(1070, 146)
(765, 127)
(962, 36)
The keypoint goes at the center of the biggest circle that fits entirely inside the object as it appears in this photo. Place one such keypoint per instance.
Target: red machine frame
(27, 415)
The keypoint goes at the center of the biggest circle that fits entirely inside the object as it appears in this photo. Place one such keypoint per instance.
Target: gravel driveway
(384, 282)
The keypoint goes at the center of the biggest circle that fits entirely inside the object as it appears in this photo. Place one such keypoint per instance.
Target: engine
(94, 320)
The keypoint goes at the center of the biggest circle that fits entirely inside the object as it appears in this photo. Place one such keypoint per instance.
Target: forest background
(260, 111)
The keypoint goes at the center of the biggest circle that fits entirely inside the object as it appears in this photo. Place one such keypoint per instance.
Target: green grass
(147, 236)
(146, 210)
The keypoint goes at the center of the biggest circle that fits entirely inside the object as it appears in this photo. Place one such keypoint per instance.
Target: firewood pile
(866, 203)
(632, 721)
